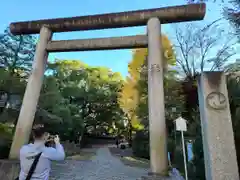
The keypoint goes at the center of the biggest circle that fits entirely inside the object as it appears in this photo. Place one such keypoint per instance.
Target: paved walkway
(103, 166)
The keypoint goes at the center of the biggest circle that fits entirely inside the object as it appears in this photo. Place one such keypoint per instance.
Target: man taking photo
(36, 157)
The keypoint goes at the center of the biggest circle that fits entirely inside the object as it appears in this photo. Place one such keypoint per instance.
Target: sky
(117, 60)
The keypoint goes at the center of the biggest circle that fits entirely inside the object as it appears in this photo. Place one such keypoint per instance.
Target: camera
(50, 141)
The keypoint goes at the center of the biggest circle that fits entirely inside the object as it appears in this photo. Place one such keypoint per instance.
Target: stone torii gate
(152, 17)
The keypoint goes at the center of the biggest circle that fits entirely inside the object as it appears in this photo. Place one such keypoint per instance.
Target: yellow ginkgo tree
(128, 100)
(129, 96)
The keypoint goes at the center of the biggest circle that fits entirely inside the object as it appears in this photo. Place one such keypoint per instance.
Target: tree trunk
(130, 128)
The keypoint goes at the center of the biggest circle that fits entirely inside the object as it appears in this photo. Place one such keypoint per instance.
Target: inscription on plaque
(155, 67)
(171, 14)
(216, 100)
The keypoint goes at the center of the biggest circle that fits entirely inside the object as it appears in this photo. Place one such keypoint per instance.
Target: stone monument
(217, 133)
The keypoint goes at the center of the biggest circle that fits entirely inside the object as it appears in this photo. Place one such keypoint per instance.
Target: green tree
(16, 57)
(88, 93)
(17, 52)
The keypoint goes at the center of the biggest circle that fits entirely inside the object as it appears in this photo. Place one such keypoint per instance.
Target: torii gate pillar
(32, 93)
(157, 124)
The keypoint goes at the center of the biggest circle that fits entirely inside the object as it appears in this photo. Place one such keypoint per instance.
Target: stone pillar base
(154, 176)
(9, 169)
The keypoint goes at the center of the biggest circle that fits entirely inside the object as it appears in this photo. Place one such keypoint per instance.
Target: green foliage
(16, 57)
(196, 166)
(140, 144)
(5, 140)
(17, 52)
(5, 131)
(83, 96)
(233, 83)
(78, 97)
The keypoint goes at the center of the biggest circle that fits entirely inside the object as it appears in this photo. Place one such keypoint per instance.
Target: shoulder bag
(32, 168)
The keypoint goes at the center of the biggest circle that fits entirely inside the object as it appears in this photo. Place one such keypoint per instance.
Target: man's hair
(38, 131)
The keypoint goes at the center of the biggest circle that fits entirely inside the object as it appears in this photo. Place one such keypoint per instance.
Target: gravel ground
(103, 166)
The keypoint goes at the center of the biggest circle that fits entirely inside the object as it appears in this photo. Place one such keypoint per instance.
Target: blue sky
(15, 10)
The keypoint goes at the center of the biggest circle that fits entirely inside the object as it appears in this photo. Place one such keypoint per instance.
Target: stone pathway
(103, 166)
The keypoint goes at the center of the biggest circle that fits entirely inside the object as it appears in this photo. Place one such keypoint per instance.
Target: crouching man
(36, 157)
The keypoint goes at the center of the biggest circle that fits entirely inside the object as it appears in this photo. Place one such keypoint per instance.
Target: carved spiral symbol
(216, 100)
